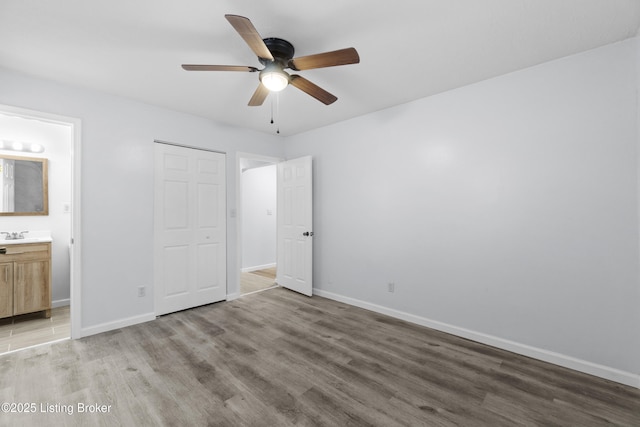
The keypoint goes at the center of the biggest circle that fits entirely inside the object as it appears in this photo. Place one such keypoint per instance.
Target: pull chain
(271, 110)
(274, 118)
(278, 111)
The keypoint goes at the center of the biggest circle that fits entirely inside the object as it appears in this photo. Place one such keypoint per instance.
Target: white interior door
(295, 221)
(189, 228)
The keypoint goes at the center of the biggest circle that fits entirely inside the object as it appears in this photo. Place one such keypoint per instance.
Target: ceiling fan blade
(327, 59)
(259, 96)
(312, 89)
(248, 32)
(194, 67)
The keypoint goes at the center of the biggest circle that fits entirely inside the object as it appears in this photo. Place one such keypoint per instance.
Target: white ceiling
(409, 49)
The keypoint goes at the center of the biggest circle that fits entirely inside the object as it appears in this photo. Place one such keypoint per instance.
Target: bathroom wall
(56, 140)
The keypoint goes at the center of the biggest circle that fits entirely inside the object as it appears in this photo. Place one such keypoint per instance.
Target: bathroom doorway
(257, 204)
(28, 133)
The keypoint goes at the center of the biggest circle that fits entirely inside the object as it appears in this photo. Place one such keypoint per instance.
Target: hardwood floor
(276, 358)
(32, 329)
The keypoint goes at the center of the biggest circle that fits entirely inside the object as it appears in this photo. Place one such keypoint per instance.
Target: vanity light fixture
(36, 148)
(21, 146)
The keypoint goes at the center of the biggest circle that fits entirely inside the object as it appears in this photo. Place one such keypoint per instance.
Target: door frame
(237, 214)
(75, 291)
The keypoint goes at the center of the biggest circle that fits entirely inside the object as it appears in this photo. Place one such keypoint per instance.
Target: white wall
(117, 187)
(56, 139)
(507, 209)
(258, 217)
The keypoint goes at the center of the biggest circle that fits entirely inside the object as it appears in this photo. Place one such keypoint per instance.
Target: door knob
(308, 233)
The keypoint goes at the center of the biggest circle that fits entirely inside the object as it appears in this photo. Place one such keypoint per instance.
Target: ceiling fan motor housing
(281, 50)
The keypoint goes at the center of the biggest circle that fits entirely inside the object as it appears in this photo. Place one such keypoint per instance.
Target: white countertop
(30, 237)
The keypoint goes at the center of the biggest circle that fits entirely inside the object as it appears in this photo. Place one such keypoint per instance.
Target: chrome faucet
(13, 235)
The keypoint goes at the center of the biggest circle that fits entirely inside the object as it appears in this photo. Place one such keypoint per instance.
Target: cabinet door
(31, 287)
(6, 289)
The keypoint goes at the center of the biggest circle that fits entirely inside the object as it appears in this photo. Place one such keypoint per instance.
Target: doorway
(57, 138)
(257, 213)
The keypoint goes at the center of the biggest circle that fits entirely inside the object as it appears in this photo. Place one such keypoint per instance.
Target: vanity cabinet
(6, 289)
(25, 279)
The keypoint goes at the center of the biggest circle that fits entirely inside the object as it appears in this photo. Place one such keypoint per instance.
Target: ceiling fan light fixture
(276, 55)
(274, 79)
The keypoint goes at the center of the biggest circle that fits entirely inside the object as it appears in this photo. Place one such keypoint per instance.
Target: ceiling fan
(276, 55)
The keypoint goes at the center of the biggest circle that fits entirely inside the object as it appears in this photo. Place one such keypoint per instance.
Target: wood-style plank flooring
(276, 358)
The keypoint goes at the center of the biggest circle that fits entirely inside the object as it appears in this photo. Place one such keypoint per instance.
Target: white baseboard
(257, 267)
(587, 367)
(122, 323)
(60, 303)
(231, 297)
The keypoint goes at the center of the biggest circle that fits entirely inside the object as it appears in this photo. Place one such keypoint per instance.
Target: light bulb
(36, 148)
(274, 81)
(274, 78)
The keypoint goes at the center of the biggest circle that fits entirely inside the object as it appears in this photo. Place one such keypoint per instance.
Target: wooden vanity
(25, 278)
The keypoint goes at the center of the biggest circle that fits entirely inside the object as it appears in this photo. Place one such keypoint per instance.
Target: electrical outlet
(391, 287)
(142, 291)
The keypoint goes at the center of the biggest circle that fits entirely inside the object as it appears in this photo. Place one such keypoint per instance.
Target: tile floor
(257, 280)
(32, 329)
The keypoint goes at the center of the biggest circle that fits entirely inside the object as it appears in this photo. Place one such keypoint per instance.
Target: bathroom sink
(31, 237)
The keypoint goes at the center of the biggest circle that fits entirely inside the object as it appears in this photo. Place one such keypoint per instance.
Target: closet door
(190, 228)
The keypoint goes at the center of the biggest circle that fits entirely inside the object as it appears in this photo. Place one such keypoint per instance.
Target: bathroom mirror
(24, 186)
